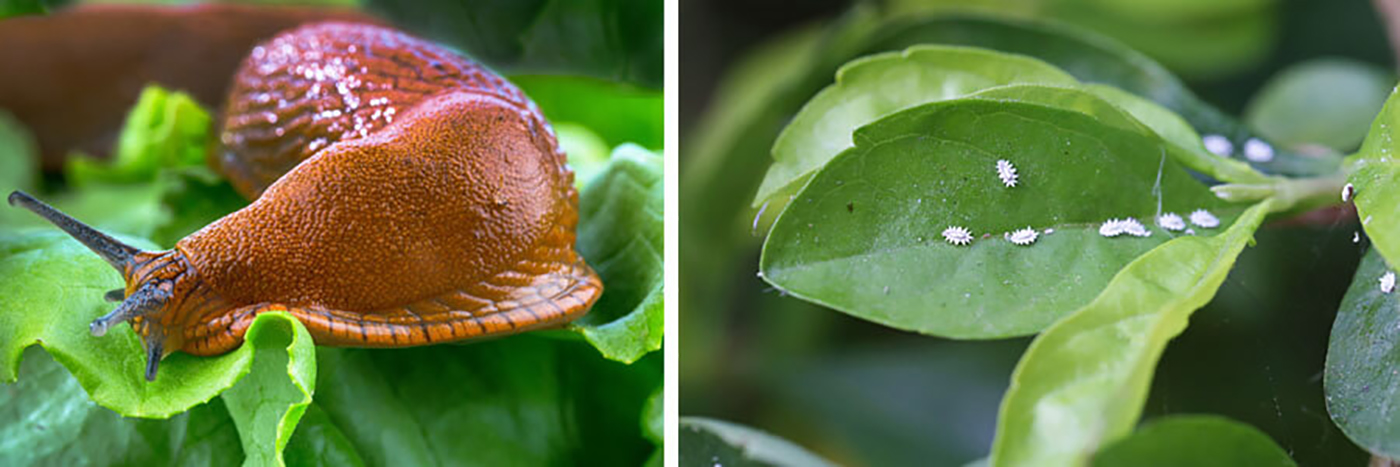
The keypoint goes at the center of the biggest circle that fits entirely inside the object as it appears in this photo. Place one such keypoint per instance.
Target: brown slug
(403, 196)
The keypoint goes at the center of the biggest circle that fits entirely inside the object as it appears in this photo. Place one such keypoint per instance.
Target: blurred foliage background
(861, 394)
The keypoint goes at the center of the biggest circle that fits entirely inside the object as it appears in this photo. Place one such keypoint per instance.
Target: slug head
(149, 291)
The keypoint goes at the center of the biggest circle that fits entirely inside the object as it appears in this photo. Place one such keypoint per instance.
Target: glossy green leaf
(872, 87)
(618, 112)
(47, 419)
(1194, 440)
(163, 130)
(1375, 173)
(1092, 58)
(1362, 355)
(863, 236)
(1328, 102)
(707, 442)
(515, 401)
(1084, 380)
(620, 234)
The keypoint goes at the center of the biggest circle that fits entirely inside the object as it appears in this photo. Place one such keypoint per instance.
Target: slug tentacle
(116, 253)
(147, 299)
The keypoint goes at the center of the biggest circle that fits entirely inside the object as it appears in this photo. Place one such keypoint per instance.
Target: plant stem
(1289, 193)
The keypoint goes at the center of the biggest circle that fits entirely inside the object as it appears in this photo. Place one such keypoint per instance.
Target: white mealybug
(1024, 236)
(1111, 228)
(1133, 227)
(1348, 192)
(1258, 151)
(1190, 231)
(1006, 172)
(1203, 218)
(1171, 221)
(957, 235)
(1388, 282)
(1218, 145)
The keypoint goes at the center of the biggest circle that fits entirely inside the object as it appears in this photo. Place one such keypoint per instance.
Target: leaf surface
(1362, 354)
(1195, 440)
(864, 236)
(1084, 380)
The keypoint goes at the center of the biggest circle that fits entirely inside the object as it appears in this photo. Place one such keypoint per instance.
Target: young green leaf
(1362, 356)
(872, 87)
(1375, 173)
(267, 404)
(1194, 440)
(1084, 380)
(164, 130)
(620, 235)
(863, 236)
(53, 288)
(706, 442)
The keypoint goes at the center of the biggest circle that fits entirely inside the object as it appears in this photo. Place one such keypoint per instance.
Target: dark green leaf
(618, 112)
(863, 236)
(1328, 102)
(1084, 380)
(47, 419)
(621, 236)
(610, 39)
(318, 442)
(1362, 357)
(1194, 440)
(707, 442)
(516, 401)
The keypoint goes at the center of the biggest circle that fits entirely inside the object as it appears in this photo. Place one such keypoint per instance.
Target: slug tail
(116, 253)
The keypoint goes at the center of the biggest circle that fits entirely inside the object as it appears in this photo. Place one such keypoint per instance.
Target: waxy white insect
(1111, 228)
(1133, 227)
(1218, 145)
(1006, 172)
(1348, 192)
(957, 235)
(1388, 282)
(1190, 231)
(1024, 236)
(1171, 221)
(1258, 151)
(1203, 218)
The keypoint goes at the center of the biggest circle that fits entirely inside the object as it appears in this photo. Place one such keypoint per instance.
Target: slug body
(419, 205)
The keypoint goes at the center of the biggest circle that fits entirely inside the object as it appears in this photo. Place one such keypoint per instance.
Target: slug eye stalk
(116, 253)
